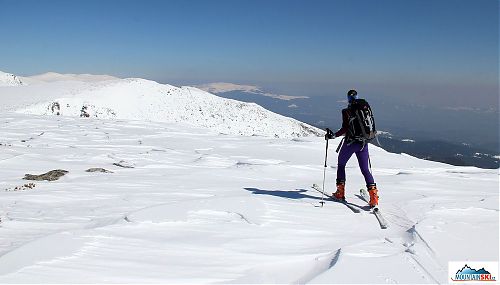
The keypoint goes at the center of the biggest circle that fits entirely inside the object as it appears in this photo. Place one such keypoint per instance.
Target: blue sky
(415, 48)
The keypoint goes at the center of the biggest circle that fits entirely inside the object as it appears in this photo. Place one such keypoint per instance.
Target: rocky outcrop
(98, 169)
(49, 176)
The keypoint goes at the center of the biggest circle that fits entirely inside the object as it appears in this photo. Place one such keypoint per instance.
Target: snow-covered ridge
(140, 99)
(8, 79)
(53, 76)
(222, 87)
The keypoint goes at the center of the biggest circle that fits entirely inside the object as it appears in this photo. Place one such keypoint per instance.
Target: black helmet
(352, 95)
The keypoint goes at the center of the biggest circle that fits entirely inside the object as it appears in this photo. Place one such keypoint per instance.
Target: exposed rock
(22, 187)
(98, 169)
(55, 107)
(84, 112)
(124, 164)
(49, 176)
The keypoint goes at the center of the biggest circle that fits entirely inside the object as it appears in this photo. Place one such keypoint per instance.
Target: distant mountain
(53, 77)
(7, 79)
(139, 99)
(224, 87)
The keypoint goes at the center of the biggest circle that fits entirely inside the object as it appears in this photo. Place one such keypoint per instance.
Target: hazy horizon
(425, 52)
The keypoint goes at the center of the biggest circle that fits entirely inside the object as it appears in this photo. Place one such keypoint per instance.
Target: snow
(54, 76)
(139, 99)
(196, 206)
(384, 133)
(7, 79)
(222, 87)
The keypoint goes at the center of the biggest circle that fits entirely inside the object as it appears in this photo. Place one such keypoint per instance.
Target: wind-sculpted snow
(181, 204)
(139, 99)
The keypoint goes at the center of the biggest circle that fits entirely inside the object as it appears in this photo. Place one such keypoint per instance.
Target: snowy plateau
(194, 188)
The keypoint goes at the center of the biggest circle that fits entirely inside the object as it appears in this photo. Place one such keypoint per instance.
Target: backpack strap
(364, 144)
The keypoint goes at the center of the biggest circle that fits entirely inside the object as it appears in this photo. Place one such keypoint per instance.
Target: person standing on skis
(358, 126)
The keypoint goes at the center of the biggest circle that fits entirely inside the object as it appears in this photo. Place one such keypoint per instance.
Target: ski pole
(324, 175)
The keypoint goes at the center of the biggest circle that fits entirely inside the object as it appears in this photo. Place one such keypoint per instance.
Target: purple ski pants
(363, 160)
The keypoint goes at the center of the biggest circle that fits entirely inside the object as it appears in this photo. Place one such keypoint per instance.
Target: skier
(353, 143)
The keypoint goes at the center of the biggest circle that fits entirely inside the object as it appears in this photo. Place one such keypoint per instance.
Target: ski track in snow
(200, 207)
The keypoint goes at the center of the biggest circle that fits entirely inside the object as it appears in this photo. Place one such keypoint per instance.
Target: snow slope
(199, 207)
(184, 204)
(7, 79)
(139, 99)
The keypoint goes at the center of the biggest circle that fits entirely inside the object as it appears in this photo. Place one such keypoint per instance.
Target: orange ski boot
(372, 190)
(339, 195)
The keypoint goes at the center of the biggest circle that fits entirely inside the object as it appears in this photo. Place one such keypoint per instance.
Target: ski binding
(376, 210)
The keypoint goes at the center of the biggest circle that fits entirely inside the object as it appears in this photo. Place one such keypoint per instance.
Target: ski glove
(329, 134)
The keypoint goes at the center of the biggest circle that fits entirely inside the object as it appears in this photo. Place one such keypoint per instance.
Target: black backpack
(361, 122)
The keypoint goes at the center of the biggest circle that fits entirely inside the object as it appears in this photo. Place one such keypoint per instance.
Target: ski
(353, 207)
(376, 210)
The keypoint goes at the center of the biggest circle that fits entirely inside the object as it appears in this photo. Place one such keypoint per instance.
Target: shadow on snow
(290, 194)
